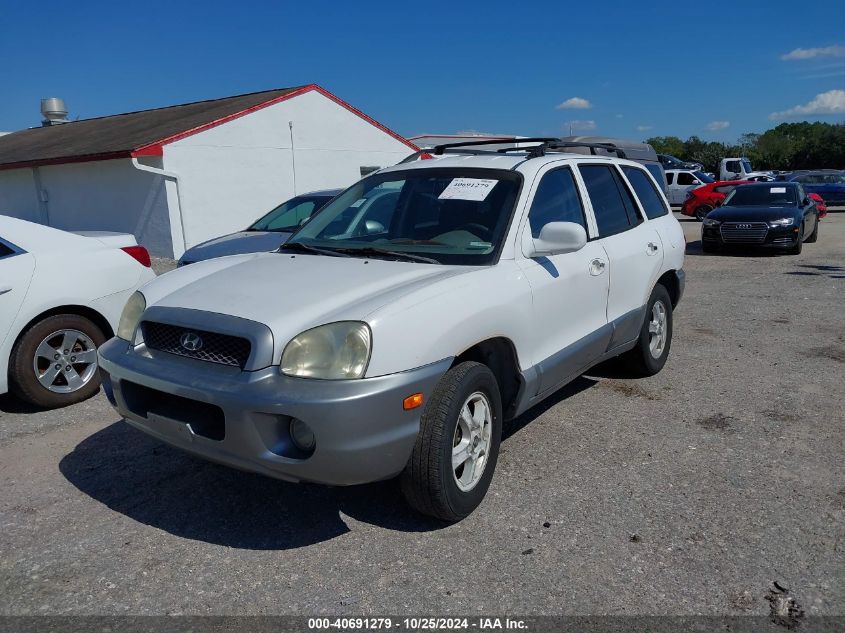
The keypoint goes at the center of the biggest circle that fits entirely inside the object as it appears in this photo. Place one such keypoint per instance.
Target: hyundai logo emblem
(191, 341)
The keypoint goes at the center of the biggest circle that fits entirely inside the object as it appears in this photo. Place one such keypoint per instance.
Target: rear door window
(650, 199)
(670, 178)
(612, 202)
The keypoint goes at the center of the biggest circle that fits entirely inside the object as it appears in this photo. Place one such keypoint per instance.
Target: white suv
(395, 341)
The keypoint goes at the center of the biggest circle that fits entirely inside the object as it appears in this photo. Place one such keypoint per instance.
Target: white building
(180, 175)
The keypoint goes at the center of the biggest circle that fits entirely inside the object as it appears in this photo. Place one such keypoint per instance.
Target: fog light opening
(302, 436)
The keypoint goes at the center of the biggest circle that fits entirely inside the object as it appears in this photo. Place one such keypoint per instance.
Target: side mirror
(557, 238)
(371, 227)
(806, 202)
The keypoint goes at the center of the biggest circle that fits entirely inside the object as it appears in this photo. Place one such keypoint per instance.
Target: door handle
(597, 267)
(652, 248)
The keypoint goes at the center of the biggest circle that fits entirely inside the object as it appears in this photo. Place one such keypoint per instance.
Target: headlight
(335, 351)
(782, 222)
(132, 312)
(709, 222)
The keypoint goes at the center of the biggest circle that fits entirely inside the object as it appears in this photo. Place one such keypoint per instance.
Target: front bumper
(779, 237)
(241, 418)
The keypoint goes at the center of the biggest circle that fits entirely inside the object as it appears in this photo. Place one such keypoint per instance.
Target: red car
(820, 205)
(702, 200)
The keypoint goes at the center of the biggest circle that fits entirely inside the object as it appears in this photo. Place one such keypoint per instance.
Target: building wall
(18, 196)
(108, 195)
(232, 174)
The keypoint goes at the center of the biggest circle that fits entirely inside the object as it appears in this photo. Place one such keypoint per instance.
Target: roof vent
(54, 111)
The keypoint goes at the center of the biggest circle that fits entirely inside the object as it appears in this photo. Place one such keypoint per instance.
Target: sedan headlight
(709, 222)
(335, 351)
(782, 222)
(131, 315)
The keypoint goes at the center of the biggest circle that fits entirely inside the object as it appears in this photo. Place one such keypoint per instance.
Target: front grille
(744, 232)
(212, 347)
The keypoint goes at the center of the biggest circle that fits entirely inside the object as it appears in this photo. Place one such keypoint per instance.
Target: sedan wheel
(65, 361)
(54, 363)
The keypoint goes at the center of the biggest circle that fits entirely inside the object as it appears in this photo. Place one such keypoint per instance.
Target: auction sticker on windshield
(468, 189)
(777, 190)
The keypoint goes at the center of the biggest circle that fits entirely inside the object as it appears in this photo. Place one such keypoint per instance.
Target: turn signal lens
(412, 402)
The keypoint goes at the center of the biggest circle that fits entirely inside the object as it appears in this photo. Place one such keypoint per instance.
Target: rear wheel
(652, 349)
(54, 363)
(457, 446)
(702, 211)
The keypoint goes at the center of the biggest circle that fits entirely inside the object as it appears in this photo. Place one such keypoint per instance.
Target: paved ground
(690, 492)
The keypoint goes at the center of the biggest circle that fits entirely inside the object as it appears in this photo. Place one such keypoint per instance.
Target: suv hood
(291, 293)
(236, 244)
(751, 214)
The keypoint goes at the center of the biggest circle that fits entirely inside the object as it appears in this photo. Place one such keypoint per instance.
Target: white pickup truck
(395, 332)
(740, 169)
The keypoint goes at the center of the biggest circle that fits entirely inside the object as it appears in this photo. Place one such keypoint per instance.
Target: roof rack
(544, 145)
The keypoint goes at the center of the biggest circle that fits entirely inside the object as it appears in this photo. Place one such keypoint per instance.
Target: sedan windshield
(435, 215)
(773, 195)
(289, 215)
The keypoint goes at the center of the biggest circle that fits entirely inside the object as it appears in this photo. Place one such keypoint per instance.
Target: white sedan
(61, 295)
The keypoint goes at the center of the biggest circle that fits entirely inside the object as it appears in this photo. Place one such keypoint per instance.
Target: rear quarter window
(650, 198)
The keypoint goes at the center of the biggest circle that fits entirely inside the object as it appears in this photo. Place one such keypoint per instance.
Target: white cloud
(575, 103)
(580, 125)
(812, 53)
(715, 126)
(620, 116)
(830, 102)
(644, 128)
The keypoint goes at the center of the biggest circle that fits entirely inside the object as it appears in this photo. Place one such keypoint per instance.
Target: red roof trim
(65, 160)
(156, 148)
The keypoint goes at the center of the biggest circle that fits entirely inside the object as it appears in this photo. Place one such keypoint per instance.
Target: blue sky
(441, 67)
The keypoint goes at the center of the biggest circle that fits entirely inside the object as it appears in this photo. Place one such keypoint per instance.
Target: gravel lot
(687, 493)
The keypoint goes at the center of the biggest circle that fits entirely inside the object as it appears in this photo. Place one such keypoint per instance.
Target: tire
(641, 361)
(430, 482)
(796, 250)
(708, 247)
(28, 358)
(702, 211)
(814, 236)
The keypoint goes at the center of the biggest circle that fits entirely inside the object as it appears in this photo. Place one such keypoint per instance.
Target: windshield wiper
(299, 246)
(378, 252)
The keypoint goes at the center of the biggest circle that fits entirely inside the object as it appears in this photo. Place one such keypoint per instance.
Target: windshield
(289, 215)
(441, 215)
(766, 196)
(703, 177)
(746, 164)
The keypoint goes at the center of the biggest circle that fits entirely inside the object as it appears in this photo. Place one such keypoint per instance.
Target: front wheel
(457, 446)
(814, 236)
(652, 348)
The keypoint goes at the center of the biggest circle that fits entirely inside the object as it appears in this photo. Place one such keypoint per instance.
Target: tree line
(786, 147)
